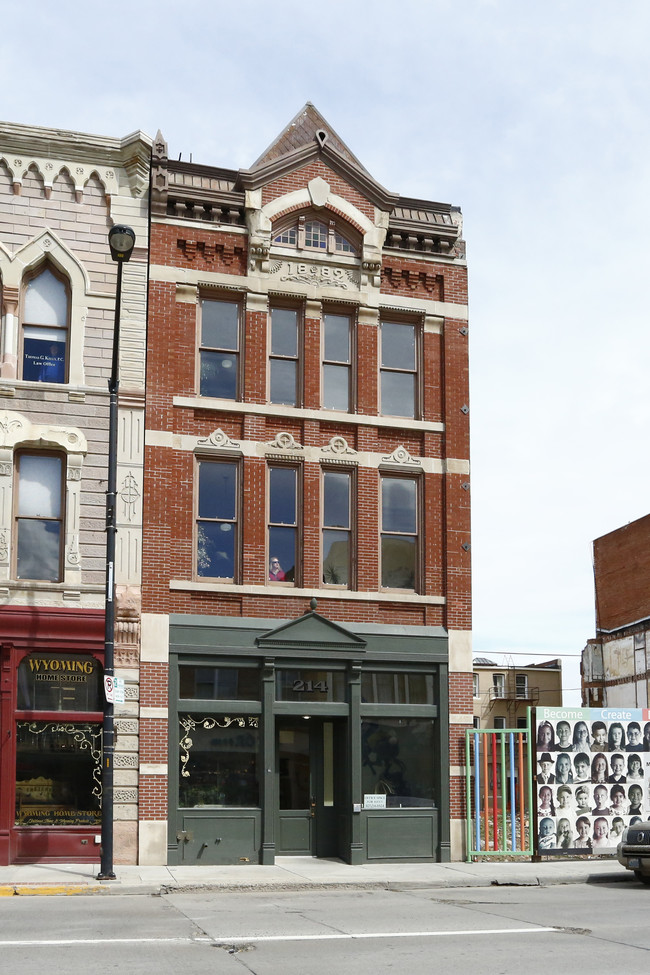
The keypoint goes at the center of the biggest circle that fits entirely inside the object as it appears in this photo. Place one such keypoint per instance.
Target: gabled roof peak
(306, 127)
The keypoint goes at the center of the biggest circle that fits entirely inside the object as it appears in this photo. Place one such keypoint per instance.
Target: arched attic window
(45, 319)
(307, 233)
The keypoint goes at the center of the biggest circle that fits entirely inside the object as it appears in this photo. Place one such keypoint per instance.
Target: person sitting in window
(275, 571)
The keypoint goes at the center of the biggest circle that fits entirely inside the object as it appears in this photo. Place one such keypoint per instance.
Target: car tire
(643, 877)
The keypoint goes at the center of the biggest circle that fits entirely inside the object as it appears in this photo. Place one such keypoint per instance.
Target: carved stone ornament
(284, 441)
(129, 494)
(121, 760)
(338, 446)
(8, 424)
(4, 549)
(316, 274)
(5, 469)
(319, 190)
(218, 439)
(401, 456)
(73, 474)
(73, 551)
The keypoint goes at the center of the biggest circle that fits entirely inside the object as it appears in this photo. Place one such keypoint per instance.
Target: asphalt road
(478, 931)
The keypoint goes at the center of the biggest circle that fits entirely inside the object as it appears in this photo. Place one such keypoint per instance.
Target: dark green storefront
(307, 738)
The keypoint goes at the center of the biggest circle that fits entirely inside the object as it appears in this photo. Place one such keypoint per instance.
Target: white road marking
(59, 942)
(376, 934)
(256, 939)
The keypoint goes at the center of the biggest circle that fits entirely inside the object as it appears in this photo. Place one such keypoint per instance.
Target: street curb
(159, 890)
(30, 890)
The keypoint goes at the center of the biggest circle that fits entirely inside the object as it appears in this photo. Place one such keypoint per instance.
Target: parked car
(633, 851)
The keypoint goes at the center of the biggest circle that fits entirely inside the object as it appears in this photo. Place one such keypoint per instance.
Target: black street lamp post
(121, 241)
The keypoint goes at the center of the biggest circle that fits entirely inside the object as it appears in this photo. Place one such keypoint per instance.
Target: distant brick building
(615, 666)
(306, 650)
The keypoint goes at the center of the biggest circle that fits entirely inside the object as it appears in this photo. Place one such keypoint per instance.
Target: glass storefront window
(310, 685)
(397, 762)
(391, 688)
(219, 683)
(59, 682)
(218, 761)
(58, 773)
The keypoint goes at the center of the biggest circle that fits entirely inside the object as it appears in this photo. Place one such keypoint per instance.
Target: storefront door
(311, 774)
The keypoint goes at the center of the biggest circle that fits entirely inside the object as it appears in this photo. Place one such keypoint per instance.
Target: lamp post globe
(121, 240)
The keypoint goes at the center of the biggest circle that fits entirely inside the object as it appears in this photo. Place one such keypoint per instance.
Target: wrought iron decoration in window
(45, 329)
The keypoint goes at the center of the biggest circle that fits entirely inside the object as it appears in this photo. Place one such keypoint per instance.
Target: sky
(534, 119)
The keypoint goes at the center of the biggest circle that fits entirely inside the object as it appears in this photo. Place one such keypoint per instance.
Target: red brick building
(306, 668)
(615, 665)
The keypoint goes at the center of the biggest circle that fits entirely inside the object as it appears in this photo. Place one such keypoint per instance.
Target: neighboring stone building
(60, 192)
(504, 692)
(306, 669)
(615, 666)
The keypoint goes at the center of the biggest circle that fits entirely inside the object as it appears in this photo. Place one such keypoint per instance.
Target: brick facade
(229, 253)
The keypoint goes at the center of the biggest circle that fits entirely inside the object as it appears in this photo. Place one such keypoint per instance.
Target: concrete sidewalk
(302, 873)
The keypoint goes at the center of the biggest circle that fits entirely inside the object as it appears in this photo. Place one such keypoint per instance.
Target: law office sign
(592, 771)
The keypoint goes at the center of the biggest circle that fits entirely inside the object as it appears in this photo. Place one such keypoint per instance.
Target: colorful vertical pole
(513, 804)
(495, 798)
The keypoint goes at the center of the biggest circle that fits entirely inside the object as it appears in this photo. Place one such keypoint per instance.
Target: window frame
(521, 684)
(351, 530)
(238, 353)
(296, 525)
(499, 685)
(234, 462)
(416, 479)
(387, 317)
(29, 277)
(19, 453)
(299, 357)
(339, 363)
(296, 226)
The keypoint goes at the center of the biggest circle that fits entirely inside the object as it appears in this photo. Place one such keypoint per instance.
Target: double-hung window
(45, 329)
(284, 359)
(337, 359)
(399, 532)
(283, 523)
(217, 519)
(337, 524)
(219, 349)
(398, 369)
(39, 530)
